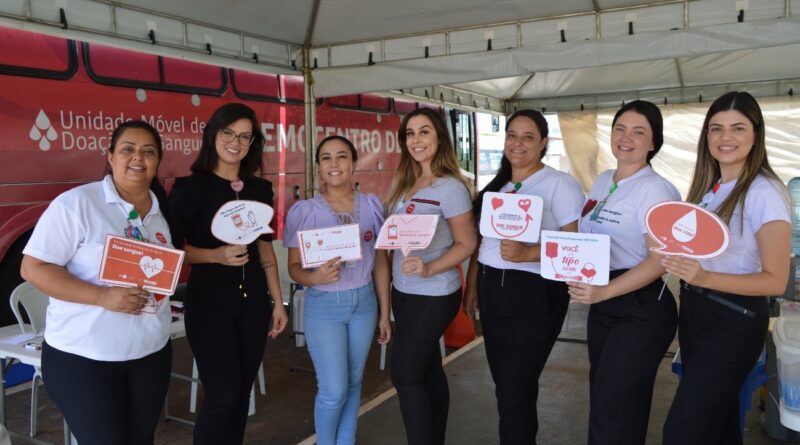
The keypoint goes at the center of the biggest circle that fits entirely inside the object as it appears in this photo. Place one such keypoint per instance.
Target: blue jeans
(339, 328)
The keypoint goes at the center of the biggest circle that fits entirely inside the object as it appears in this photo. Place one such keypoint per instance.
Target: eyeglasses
(228, 135)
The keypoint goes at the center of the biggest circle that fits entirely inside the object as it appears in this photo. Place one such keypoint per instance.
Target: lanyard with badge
(596, 213)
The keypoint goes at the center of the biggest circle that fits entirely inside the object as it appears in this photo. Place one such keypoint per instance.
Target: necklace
(517, 186)
(237, 187)
(601, 204)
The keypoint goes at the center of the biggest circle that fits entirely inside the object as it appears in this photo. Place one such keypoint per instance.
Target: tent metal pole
(309, 104)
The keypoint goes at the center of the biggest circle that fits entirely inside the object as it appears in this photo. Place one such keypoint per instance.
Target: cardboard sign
(686, 229)
(581, 257)
(407, 232)
(511, 216)
(321, 245)
(241, 222)
(132, 263)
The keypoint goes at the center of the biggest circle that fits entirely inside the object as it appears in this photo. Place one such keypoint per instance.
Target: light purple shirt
(315, 213)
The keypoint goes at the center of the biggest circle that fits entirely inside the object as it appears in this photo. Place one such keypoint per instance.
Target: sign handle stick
(663, 287)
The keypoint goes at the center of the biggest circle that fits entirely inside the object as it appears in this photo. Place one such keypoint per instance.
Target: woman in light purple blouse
(340, 309)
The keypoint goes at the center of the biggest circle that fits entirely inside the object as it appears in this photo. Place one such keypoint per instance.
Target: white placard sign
(581, 257)
(318, 246)
(511, 216)
(241, 221)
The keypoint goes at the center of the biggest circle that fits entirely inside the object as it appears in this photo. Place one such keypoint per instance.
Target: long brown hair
(444, 162)
(707, 170)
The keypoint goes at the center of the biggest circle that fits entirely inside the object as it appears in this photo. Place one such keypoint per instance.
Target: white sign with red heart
(511, 216)
(580, 257)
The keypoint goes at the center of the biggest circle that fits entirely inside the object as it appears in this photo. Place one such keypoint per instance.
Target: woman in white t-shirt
(724, 315)
(521, 312)
(631, 322)
(106, 358)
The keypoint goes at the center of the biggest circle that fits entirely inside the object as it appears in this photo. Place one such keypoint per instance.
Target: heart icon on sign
(151, 267)
(496, 202)
(524, 204)
(589, 271)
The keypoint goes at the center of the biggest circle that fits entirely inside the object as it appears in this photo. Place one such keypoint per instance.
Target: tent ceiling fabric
(676, 44)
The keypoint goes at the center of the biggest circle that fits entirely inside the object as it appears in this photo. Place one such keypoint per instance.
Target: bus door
(463, 129)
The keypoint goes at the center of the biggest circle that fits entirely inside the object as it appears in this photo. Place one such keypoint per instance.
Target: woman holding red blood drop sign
(724, 315)
(631, 324)
(521, 313)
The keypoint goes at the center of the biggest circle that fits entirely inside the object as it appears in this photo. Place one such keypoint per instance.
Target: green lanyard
(601, 204)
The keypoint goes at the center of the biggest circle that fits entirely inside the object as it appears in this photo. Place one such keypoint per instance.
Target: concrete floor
(285, 415)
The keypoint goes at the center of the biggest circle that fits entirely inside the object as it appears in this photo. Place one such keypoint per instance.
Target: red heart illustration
(496, 202)
(590, 203)
(589, 271)
(524, 204)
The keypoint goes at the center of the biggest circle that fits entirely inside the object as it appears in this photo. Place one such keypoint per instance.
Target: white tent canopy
(553, 54)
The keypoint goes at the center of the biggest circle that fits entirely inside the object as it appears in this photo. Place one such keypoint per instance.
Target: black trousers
(628, 336)
(521, 316)
(108, 403)
(719, 348)
(416, 368)
(227, 337)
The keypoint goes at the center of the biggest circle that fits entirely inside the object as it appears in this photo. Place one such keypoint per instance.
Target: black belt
(719, 297)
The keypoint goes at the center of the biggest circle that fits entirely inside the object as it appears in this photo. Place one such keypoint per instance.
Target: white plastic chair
(382, 364)
(35, 304)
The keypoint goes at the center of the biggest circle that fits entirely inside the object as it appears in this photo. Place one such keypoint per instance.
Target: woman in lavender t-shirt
(340, 308)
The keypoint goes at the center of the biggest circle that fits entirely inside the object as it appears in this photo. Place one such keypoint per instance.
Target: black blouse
(194, 200)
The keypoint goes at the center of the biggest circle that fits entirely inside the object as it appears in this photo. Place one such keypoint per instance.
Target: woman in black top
(227, 309)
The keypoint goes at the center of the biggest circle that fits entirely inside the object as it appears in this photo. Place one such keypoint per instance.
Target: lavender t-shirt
(315, 213)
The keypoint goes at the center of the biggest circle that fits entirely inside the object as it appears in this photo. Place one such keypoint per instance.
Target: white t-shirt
(765, 201)
(563, 198)
(71, 233)
(623, 216)
(447, 197)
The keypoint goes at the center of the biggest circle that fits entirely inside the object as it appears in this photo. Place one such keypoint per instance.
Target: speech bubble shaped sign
(241, 221)
(407, 232)
(511, 216)
(686, 229)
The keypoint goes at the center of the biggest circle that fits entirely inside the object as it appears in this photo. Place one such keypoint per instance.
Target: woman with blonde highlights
(723, 312)
(426, 288)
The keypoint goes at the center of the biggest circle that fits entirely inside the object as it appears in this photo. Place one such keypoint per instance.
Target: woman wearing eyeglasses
(227, 296)
(340, 309)
(631, 323)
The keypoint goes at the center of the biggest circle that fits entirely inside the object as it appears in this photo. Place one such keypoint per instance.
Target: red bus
(60, 100)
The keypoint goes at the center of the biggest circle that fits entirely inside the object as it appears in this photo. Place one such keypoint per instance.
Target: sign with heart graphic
(241, 221)
(581, 257)
(511, 216)
(686, 229)
(331, 242)
(133, 263)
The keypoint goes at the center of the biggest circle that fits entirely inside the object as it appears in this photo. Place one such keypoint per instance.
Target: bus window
(115, 64)
(255, 86)
(463, 140)
(377, 104)
(183, 73)
(293, 89)
(30, 54)
(350, 102)
(403, 107)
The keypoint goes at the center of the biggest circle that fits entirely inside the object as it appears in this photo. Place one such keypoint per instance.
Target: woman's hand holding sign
(413, 265)
(586, 293)
(231, 255)
(327, 272)
(517, 252)
(686, 269)
(129, 300)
